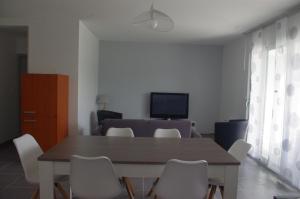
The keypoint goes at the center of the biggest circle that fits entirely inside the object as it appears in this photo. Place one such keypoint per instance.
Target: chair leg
(130, 186)
(36, 194)
(55, 196)
(61, 190)
(70, 193)
(152, 188)
(129, 191)
(222, 190)
(212, 192)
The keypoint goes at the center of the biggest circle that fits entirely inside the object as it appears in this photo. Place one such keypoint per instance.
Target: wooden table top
(140, 150)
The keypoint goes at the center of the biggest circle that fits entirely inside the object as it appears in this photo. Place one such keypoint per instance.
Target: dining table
(139, 157)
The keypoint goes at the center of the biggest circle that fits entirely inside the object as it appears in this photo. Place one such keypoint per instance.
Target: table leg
(231, 182)
(46, 180)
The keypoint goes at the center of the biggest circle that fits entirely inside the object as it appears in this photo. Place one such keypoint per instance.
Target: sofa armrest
(97, 131)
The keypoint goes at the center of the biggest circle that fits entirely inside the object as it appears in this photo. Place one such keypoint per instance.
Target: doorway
(13, 63)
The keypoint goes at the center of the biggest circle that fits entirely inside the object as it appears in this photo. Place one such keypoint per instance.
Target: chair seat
(34, 177)
(32, 174)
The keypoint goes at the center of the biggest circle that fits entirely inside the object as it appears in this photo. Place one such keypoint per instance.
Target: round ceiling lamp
(154, 20)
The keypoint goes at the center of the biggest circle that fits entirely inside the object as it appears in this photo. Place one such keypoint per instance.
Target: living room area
(213, 75)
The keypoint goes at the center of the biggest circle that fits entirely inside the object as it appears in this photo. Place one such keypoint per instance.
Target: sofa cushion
(146, 128)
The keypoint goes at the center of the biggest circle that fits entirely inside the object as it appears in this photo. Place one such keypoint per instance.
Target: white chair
(183, 179)
(94, 177)
(123, 132)
(167, 133)
(163, 133)
(239, 151)
(119, 132)
(29, 151)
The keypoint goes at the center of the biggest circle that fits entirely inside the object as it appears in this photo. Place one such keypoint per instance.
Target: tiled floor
(255, 182)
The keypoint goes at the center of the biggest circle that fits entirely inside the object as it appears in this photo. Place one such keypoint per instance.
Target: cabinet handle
(29, 120)
(29, 112)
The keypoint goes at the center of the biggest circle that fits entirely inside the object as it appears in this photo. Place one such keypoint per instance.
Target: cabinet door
(47, 111)
(28, 105)
(46, 129)
(62, 105)
(47, 96)
(29, 93)
(39, 108)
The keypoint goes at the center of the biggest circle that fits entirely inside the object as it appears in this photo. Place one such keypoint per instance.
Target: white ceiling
(196, 21)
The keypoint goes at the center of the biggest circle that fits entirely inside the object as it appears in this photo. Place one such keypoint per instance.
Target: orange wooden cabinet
(44, 107)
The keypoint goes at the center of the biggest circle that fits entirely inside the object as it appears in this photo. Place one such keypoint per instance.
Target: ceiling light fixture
(155, 20)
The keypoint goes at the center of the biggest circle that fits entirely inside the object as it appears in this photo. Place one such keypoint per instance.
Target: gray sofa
(146, 128)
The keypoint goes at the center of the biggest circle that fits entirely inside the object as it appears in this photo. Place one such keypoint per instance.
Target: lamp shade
(155, 20)
(103, 99)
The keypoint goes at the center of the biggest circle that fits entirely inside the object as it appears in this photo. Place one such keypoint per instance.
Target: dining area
(103, 166)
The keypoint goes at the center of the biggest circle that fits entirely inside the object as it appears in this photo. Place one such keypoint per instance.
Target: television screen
(169, 105)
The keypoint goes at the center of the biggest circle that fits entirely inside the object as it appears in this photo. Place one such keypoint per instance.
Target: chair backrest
(29, 151)
(167, 133)
(119, 132)
(239, 149)
(183, 179)
(146, 128)
(226, 133)
(93, 177)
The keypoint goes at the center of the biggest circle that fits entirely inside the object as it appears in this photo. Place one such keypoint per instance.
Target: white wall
(88, 65)
(53, 48)
(52, 45)
(234, 80)
(130, 71)
(9, 88)
(22, 45)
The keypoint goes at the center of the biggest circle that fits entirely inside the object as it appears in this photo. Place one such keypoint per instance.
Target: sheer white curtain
(274, 110)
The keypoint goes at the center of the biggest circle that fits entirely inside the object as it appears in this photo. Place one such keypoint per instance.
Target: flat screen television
(169, 105)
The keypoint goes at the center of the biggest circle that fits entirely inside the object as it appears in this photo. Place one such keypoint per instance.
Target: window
(274, 105)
